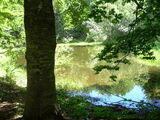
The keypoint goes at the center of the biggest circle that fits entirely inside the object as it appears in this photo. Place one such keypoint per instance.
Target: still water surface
(136, 82)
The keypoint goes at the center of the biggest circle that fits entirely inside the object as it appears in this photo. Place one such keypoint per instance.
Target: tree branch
(138, 4)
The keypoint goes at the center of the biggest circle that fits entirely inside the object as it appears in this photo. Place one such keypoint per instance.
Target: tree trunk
(40, 50)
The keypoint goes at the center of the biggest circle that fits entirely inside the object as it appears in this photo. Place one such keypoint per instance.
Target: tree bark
(40, 51)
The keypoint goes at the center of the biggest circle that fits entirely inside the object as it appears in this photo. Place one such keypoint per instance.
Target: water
(131, 100)
(135, 83)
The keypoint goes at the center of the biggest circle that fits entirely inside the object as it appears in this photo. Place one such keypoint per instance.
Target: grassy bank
(155, 62)
(72, 108)
(80, 44)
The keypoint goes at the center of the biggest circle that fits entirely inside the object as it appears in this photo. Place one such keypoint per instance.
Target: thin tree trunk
(40, 50)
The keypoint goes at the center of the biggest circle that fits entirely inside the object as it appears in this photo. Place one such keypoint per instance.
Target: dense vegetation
(123, 28)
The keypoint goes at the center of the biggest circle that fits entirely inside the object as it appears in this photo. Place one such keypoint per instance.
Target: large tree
(40, 51)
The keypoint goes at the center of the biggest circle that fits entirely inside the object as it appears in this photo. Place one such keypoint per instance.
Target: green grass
(69, 84)
(81, 44)
(155, 62)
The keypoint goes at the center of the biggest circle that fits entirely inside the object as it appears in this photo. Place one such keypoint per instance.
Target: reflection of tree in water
(63, 55)
(75, 64)
(81, 55)
(141, 79)
(152, 87)
(118, 88)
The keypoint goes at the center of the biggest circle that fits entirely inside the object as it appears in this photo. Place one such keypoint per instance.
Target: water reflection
(135, 95)
(76, 63)
(136, 81)
(152, 87)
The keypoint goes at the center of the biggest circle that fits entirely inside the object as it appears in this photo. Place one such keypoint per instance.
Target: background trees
(12, 43)
(140, 38)
(11, 25)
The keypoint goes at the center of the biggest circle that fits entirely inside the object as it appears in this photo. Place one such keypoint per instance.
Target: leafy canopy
(74, 11)
(11, 24)
(140, 38)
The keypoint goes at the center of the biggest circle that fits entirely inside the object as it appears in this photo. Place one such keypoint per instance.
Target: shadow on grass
(74, 108)
(11, 100)
(77, 108)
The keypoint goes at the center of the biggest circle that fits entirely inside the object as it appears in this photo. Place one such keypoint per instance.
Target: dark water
(136, 82)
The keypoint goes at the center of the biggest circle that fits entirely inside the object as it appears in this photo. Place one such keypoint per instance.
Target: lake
(136, 82)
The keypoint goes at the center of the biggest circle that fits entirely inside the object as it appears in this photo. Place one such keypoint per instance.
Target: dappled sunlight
(11, 100)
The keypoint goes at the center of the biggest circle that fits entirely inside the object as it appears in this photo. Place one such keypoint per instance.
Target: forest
(79, 60)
